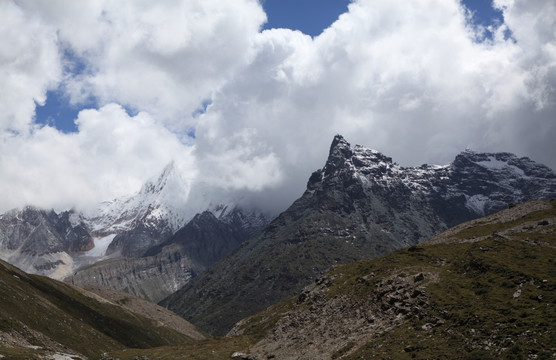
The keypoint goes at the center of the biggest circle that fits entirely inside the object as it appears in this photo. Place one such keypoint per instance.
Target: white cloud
(164, 57)
(111, 155)
(29, 65)
(407, 78)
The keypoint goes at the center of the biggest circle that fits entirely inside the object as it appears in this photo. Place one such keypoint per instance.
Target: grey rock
(360, 205)
(42, 241)
(165, 268)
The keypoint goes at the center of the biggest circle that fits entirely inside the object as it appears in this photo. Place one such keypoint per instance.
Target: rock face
(133, 242)
(317, 325)
(41, 241)
(360, 205)
(167, 267)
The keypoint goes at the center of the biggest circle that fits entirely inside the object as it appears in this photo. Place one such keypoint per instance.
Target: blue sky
(308, 16)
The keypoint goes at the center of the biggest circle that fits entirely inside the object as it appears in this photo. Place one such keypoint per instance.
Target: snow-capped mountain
(166, 267)
(359, 205)
(43, 242)
(161, 203)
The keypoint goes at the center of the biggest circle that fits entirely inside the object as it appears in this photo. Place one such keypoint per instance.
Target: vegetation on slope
(40, 316)
(489, 293)
(482, 290)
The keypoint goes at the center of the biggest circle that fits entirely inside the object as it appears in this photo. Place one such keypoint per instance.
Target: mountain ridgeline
(360, 205)
(166, 267)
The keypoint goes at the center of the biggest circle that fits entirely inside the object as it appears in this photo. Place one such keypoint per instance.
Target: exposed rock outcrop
(360, 205)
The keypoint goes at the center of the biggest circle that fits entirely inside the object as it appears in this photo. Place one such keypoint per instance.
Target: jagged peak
(341, 153)
(156, 184)
(339, 148)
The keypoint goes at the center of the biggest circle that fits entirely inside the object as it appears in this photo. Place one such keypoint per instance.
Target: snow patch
(101, 245)
(495, 164)
(492, 163)
(476, 203)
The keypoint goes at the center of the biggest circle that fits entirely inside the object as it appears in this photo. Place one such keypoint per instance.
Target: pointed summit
(340, 151)
(340, 147)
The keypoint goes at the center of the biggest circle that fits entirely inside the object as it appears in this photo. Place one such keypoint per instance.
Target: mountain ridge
(360, 205)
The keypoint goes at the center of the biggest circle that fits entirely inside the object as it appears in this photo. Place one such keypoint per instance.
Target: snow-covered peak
(486, 181)
(161, 201)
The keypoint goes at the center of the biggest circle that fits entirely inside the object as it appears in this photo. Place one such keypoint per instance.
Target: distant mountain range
(360, 205)
(483, 287)
(148, 244)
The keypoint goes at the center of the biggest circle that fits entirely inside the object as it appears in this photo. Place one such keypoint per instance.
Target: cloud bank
(417, 81)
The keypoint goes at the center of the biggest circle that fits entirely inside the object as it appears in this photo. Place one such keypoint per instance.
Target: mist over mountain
(128, 227)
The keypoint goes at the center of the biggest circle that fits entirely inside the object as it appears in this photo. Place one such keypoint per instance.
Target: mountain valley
(485, 289)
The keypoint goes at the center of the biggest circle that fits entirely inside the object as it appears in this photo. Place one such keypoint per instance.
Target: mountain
(41, 241)
(360, 205)
(41, 318)
(126, 243)
(144, 219)
(165, 268)
(55, 244)
(483, 290)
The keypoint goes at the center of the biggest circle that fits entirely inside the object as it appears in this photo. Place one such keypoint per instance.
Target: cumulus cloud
(410, 79)
(29, 66)
(110, 156)
(163, 57)
(415, 80)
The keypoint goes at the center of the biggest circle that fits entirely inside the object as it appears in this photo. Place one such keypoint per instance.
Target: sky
(245, 97)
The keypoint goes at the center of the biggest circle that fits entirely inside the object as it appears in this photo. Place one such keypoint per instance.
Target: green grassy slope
(39, 315)
(489, 299)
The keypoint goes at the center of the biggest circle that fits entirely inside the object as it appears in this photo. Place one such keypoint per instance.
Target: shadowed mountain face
(360, 205)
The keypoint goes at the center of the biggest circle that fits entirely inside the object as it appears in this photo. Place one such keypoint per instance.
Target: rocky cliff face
(136, 230)
(360, 205)
(41, 241)
(167, 267)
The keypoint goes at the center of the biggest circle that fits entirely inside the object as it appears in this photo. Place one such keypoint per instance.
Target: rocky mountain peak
(157, 185)
(360, 205)
(502, 162)
(346, 162)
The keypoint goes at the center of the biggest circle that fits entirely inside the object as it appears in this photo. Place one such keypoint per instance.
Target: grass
(474, 298)
(217, 348)
(472, 311)
(492, 299)
(45, 311)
